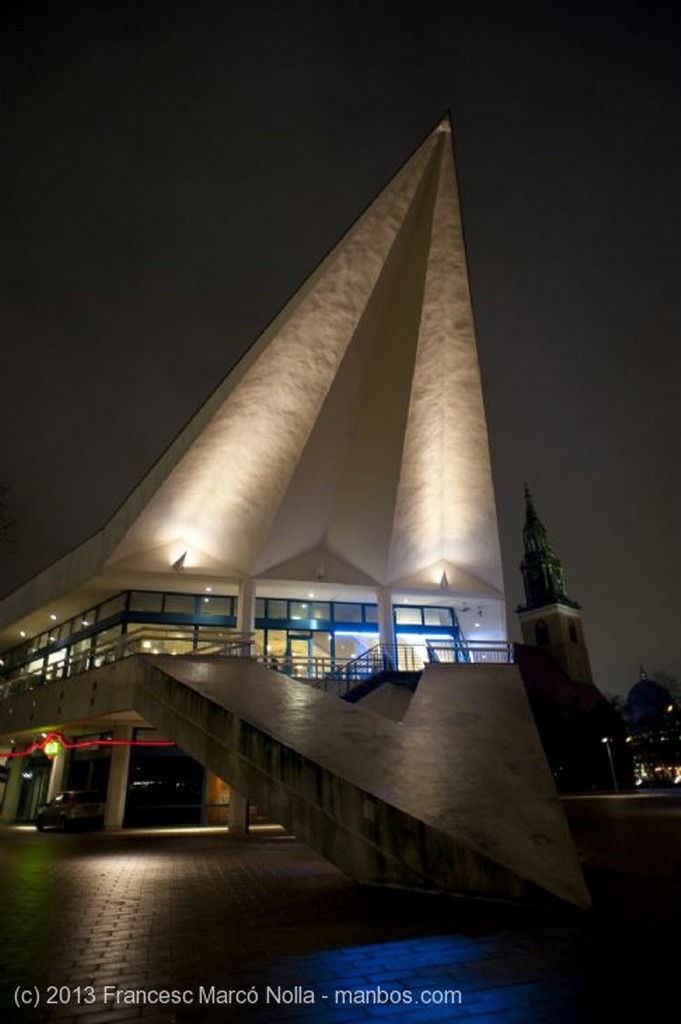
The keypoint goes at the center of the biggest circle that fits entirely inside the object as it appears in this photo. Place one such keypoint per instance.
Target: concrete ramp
(458, 797)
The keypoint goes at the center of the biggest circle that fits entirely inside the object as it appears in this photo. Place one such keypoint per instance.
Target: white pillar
(12, 790)
(386, 623)
(237, 816)
(56, 775)
(118, 779)
(245, 612)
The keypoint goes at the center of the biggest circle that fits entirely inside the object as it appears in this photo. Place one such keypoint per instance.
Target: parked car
(70, 809)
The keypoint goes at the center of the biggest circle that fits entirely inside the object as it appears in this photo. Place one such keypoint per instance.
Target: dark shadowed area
(150, 910)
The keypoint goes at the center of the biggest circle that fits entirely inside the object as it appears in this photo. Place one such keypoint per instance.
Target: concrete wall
(458, 797)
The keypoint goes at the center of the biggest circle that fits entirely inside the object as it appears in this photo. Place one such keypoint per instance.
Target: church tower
(549, 618)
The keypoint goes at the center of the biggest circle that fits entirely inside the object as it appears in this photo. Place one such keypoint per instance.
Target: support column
(386, 622)
(56, 782)
(245, 612)
(118, 779)
(237, 816)
(12, 790)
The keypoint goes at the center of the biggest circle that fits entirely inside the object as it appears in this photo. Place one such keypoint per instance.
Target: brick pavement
(204, 914)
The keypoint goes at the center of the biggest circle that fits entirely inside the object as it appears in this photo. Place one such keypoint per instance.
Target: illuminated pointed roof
(352, 433)
(355, 425)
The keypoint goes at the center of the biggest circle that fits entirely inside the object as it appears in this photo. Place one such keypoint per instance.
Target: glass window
(343, 612)
(406, 616)
(321, 644)
(18, 653)
(82, 647)
(63, 631)
(56, 665)
(34, 645)
(79, 656)
(260, 607)
(112, 607)
(216, 606)
(277, 610)
(86, 619)
(181, 642)
(276, 643)
(180, 604)
(350, 647)
(321, 610)
(141, 601)
(106, 645)
(300, 610)
(371, 613)
(437, 616)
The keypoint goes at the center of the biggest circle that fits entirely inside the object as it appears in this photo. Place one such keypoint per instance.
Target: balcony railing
(335, 676)
(340, 675)
(471, 652)
(138, 641)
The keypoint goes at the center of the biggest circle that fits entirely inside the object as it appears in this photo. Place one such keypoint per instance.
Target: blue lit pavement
(167, 928)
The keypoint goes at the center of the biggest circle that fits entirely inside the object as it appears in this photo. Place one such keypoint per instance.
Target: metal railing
(311, 668)
(138, 641)
(471, 652)
(338, 675)
(335, 676)
(380, 658)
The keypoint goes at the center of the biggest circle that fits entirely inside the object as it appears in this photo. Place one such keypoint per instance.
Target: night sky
(172, 171)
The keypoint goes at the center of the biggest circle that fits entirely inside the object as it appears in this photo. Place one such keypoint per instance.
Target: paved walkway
(103, 927)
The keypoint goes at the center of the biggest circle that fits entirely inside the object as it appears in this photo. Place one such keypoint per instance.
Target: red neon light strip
(52, 736)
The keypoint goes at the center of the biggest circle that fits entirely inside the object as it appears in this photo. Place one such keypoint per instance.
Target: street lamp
(607, 741)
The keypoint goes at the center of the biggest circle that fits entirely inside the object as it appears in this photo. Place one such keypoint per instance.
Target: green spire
(541, 568)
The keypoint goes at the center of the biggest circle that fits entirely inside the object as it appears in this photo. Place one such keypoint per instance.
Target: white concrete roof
(348, 445)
